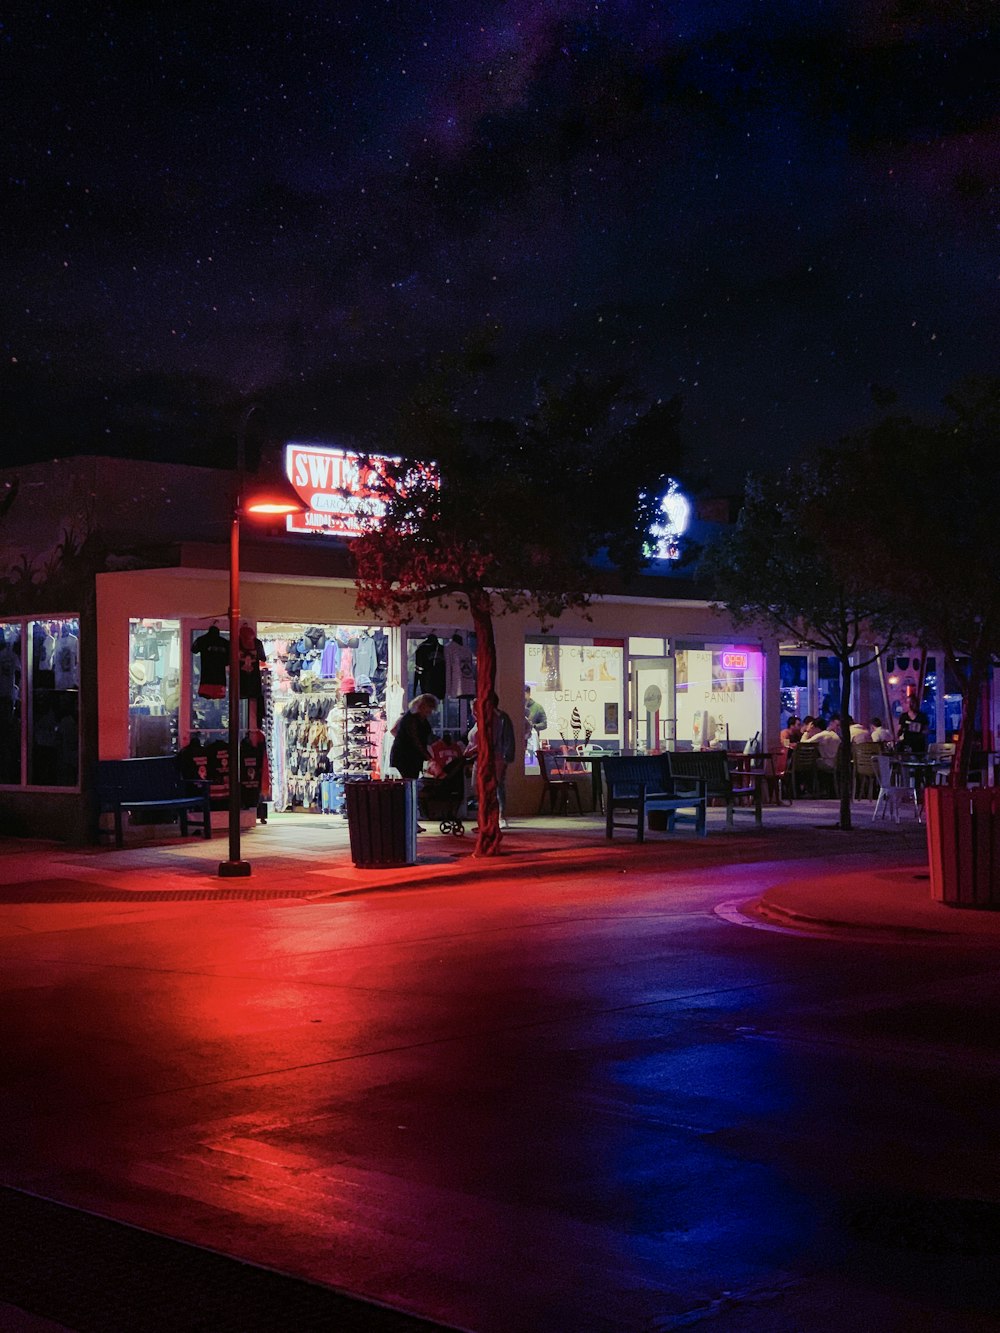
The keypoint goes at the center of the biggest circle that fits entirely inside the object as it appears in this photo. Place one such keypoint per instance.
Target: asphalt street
(560, 1093)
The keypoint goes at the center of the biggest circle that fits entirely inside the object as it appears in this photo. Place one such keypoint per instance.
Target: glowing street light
(267, 500)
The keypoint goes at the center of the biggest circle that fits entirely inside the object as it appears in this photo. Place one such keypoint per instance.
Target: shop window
(442, 662)
(828, 669)
(719, 695)
(153, 686)
(11, 672)
(322, 709)
(928, 703)
(208, 651)
(54, 698)
(578, 684)
(794, 669)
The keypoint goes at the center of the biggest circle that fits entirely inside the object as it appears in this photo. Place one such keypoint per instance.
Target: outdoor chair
(779, 780)
(864, 754)
(803, 775)
(559, 782)
(894, 789)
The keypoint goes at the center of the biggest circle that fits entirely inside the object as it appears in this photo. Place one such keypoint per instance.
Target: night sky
(768, 208)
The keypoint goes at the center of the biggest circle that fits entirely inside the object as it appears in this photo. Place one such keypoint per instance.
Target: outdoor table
(921, 770)
(760, 764)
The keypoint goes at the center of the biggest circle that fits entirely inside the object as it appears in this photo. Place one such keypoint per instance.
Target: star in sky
(766, 209)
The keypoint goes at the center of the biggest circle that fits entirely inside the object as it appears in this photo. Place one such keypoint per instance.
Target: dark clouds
(764, 207)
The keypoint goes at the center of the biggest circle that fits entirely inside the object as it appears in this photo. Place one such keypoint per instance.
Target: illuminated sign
(735, 661)
(338, 487)
(667, 531)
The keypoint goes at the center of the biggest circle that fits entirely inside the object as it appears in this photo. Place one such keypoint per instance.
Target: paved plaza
(743, 1081)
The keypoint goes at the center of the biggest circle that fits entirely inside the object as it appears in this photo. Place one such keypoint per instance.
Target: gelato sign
(339, 488)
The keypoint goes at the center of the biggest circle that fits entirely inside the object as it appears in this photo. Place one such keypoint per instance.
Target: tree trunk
(844, 773)
(978, 666)
(490, 835)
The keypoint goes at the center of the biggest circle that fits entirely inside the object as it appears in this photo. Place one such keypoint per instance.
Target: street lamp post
(275, 500)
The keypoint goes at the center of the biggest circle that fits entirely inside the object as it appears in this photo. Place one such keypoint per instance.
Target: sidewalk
(493, 1093)
(873, 880)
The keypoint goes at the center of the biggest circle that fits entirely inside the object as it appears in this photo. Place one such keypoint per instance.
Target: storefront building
(881, 687)
(132, 668)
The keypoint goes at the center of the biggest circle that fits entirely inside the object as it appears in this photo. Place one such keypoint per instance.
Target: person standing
(535, 722)
(913, 725)
(412, 737)
(503, 752)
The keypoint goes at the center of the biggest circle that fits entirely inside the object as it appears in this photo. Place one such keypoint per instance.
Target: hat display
(137, 673)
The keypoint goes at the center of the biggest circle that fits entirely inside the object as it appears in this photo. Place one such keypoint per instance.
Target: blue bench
(638, 784)
(150, 785)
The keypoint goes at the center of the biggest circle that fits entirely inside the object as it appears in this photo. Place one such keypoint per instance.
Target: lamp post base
(234, 869)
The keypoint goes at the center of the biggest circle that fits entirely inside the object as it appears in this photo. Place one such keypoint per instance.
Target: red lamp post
(276, 498)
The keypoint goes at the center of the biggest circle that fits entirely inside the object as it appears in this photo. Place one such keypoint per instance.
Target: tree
(931, 537)
(777, 567)
(508, 515)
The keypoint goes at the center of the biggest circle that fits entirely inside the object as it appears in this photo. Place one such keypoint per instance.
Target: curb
(777, 914)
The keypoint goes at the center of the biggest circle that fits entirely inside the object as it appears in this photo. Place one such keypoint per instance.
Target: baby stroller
(441, 798)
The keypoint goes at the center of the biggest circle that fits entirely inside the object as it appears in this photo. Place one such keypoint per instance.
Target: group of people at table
(828, 735)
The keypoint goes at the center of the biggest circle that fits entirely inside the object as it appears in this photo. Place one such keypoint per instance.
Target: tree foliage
(777, 568)
(927, 532)
(512, 514)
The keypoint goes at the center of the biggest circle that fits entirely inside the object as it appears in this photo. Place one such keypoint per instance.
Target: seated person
(881, 735)
(859, 733)
(791, 734)
(828, 744)
(810, 726)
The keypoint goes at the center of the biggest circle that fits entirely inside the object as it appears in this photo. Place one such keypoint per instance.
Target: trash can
(963, 845)
(382, 821)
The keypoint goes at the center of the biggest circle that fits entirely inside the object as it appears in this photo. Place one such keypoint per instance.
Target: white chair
(894, 788)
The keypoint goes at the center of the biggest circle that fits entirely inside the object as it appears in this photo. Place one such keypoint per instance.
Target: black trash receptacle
(382, 821)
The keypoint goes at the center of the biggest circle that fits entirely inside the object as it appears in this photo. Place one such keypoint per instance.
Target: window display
(153, 687)
(719, 696)
(576, 686)
(324, 694)
(54, 702)
(11, 668)
(442, 662)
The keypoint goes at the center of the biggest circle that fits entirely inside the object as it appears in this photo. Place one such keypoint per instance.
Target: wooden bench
(721, 782)
(642, 783)
(149, 785)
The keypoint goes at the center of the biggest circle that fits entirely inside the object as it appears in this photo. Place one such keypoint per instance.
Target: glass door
(653, 715)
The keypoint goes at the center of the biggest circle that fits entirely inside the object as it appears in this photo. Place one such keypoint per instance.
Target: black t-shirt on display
(429, 663)
(213, 650)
